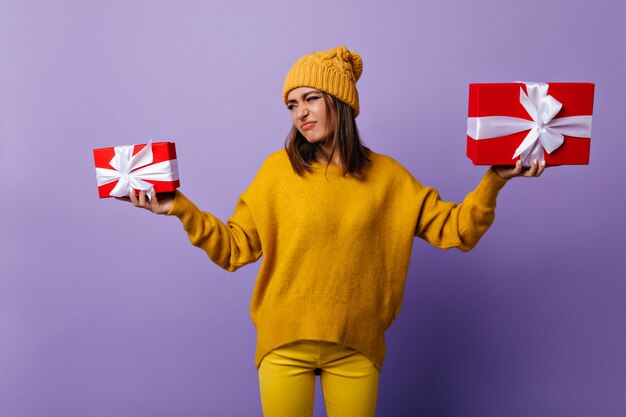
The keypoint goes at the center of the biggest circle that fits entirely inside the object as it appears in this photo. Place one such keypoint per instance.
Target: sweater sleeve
(447, 224)
(231, 245)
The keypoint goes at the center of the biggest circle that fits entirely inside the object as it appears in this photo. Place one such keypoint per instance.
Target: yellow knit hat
(335, 72)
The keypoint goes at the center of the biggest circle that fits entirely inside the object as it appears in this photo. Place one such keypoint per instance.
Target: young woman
(334, 222)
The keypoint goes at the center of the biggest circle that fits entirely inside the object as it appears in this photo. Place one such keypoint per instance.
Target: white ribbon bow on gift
(131, 171)
(546, 132)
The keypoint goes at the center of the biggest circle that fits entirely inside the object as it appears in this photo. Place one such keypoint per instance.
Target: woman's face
(308, 114)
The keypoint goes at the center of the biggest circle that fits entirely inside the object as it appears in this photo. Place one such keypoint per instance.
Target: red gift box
(512, 121)
(138, 166)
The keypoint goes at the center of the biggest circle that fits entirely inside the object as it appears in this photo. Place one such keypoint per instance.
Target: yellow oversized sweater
(335, 249)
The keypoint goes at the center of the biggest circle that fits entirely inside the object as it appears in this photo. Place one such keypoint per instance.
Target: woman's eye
(290, 107)
(313, 98)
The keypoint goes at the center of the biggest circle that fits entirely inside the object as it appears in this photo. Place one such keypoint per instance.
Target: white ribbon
(546, 132)
(131, 171)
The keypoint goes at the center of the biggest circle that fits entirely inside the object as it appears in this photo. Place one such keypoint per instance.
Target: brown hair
(354, 156)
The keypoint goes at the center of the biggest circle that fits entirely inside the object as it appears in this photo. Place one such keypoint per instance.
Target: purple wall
(109, 311)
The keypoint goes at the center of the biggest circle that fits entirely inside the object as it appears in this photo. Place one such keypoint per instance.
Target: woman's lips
(307, 126)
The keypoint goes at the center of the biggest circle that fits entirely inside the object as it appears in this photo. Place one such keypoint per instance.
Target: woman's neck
(324, 152)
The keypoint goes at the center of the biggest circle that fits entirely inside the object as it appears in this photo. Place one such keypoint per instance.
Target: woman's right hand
(161, 205)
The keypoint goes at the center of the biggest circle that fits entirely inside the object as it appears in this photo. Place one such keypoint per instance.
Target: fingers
(536, 168)
(154, 202)
(542, 167)
(138, 200)
(532, 171)
(142, 198)
(133, 197)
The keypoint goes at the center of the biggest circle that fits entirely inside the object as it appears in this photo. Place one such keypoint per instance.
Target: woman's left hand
(507, 172)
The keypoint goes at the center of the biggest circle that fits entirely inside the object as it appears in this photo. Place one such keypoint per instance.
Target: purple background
(109, 311)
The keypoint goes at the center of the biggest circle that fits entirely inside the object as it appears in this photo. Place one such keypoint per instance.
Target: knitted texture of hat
(335, 72)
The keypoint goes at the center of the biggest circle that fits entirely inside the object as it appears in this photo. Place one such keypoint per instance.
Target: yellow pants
(287, 380)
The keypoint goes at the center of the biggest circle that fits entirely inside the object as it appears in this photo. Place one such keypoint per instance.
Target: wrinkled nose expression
(308, 113)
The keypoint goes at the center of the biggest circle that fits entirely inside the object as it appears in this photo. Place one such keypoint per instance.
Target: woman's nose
(302, 112)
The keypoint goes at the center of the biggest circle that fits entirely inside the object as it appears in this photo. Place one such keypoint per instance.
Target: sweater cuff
(489, 186)
(181, 206)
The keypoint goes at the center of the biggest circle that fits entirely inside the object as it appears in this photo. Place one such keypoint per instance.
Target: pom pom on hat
(334, 71)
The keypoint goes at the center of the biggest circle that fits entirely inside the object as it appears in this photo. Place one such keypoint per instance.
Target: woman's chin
(314, 140)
